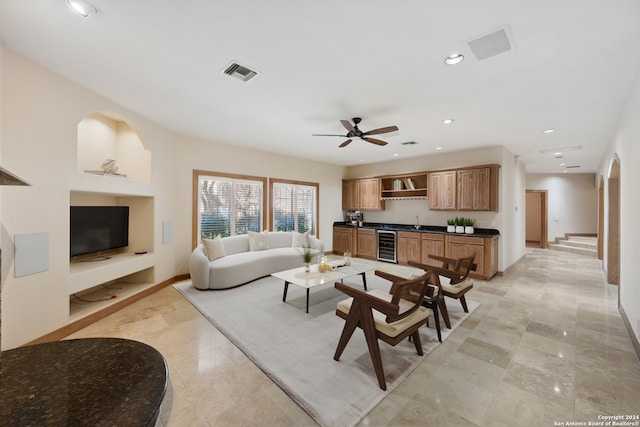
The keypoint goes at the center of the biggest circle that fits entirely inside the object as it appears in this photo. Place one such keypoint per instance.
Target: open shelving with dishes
(404, 186)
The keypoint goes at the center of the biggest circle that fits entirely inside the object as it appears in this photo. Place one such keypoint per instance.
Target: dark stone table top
(82, 382)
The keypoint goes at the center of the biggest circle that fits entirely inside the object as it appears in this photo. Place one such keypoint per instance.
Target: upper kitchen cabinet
(442, 190)
(362, 194)
(478, 189)
(468, 189)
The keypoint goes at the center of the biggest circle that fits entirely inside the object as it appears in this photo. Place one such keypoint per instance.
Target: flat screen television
(98, 228)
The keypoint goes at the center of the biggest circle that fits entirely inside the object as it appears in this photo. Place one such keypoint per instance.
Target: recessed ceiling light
(558, 153)
(395, 154)
(548, 131)
(82, 8)
(561, 164)
(447, 121)
(439, 148)
(454, 59)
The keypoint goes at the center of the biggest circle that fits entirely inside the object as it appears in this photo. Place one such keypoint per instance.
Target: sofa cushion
(258, 241)
(214, 248)
(299, 240)
(279, 239)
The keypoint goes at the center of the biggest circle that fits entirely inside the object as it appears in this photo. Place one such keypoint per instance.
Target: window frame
(316, 185)
(197, 174)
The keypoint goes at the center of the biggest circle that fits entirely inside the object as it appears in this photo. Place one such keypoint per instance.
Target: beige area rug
(295, 349)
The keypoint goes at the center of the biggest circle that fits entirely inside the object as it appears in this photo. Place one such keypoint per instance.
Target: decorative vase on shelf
(110, 166)
(459, 228)
(451, 228)
(468, 229)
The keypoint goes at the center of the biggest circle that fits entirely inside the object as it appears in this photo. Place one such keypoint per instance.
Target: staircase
(582, 245)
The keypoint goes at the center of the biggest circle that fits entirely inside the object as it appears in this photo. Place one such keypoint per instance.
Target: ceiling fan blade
(347, 125)
(382, 130)
(326, 134)
(344, 144)
(374, 141)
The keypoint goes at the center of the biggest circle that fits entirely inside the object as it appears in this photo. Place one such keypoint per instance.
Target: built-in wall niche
(103, 136)
(141, 217)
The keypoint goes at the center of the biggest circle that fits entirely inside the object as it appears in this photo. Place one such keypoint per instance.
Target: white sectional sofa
(235, 260)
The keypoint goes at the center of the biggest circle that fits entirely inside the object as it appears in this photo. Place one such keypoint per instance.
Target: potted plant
(451, 225)
(307, 257)
(468, 225)
(459, 224)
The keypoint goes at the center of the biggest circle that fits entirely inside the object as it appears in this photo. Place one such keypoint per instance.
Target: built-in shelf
(99, 297)
(87, 274)
(404, 187)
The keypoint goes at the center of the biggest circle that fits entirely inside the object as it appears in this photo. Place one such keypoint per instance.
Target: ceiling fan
(354, 132)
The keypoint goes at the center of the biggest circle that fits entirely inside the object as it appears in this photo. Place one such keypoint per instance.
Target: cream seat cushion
(456, 289)
(389, 329)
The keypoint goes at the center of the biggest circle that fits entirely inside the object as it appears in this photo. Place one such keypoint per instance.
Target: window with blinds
(229, 205)
(294, 206)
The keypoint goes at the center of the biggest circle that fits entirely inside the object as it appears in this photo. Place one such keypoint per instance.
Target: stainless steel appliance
(354, 217)
(387, 245)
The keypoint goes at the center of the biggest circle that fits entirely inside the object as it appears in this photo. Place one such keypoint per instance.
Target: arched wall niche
(104, 135)
(613, 226)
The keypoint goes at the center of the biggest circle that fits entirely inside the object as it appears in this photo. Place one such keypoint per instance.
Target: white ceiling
(571, 67)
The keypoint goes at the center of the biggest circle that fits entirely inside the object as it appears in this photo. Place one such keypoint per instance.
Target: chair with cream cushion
(390, 317)
(453, 279)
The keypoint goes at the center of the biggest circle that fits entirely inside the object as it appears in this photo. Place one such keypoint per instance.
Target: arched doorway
(613, 240)
(601, 219)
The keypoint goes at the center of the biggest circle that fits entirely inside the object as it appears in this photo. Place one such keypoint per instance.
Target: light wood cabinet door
(442, 190)
(367, 247)
(474, 189)
(408, 247)
(431, 244)
(343, 240)
(459, 247)
(351, 195)
(370, 194)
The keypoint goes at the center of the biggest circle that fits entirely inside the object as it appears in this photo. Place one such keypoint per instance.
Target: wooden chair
(389, 317)
(457, 271)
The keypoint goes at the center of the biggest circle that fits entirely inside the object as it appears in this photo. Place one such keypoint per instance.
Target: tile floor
(545, 347)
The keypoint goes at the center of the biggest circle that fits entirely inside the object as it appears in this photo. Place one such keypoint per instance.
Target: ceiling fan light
(82, 8)
(454, 59)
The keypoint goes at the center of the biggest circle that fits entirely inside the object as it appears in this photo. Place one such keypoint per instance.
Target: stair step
(573, 249)
(578, 243)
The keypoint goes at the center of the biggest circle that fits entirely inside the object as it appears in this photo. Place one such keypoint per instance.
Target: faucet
(417, 226)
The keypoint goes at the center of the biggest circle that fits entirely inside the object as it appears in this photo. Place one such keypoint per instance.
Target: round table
(82, 382)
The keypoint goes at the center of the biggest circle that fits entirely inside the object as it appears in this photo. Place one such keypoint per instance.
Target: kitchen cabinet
(405, 186)
(442, 190)
(367, 245)
(351, 195)
(408, 247)
(431, 244)
(485, 251)
(466, 189)
(362, 194)
(477, 189)
(344, 239)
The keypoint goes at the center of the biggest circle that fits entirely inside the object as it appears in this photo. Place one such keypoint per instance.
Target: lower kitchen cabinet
(431, 244)
(344, 239)
(367, 247)
(485, 251)
(408, 247)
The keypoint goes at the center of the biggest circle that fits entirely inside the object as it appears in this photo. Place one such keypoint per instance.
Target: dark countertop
(433, 229)
(82, 382)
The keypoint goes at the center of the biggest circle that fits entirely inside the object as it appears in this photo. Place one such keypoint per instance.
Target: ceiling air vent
(571, 167)
(240, 72)
(491, 44)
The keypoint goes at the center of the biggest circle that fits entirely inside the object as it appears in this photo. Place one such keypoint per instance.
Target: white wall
(626, 146)
(572, 202)
(193, 154)
(40, 112)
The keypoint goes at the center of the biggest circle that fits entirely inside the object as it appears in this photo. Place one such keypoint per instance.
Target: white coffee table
(314, 278)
